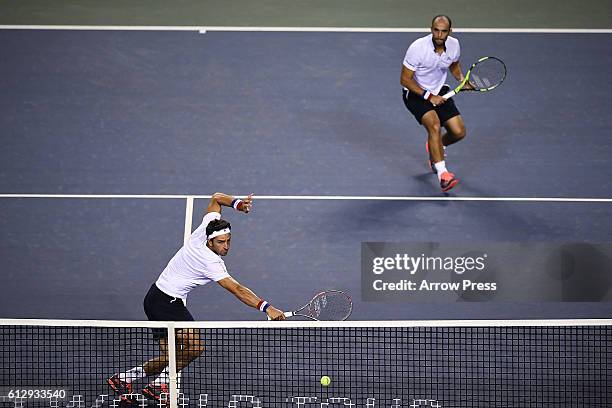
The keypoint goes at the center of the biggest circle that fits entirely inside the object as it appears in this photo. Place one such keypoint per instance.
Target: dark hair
(450, 23)
(216, 225)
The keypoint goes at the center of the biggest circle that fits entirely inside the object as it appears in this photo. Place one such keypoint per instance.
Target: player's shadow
(388, 221)
(387, 145)
(429, 180)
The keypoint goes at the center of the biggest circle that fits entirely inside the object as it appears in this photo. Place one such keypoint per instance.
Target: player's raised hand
(246, 204)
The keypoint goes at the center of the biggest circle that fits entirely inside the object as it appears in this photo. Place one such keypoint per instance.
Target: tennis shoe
(159, 393)
(448, 181)
(122, 388)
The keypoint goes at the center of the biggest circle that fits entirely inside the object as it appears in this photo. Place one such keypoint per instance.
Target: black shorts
(159, 306)
(419, 106)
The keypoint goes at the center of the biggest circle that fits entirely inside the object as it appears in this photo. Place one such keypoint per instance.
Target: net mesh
(280, 365)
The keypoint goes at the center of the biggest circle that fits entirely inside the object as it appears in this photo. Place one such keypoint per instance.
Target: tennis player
(423, 75)
(197, 263)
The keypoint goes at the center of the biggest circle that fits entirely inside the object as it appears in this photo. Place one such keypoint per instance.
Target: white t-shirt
(193, 265)
(429, 68)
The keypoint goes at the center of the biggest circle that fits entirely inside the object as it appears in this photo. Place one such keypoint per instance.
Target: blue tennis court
(280, 114)
(114, 138)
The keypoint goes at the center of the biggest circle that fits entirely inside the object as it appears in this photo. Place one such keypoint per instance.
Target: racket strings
(331, 306)
(488, 74)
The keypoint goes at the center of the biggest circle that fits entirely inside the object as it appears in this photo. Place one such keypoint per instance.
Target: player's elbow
(217, 196)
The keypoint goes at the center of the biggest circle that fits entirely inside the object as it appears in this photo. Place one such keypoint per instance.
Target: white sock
(163, 378)
(132, 375)
(440, 168)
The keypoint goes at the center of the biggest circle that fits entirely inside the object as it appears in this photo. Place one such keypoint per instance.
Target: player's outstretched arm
(219, 200)
(248, 297)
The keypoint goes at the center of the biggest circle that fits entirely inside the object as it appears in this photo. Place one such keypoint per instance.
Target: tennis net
(454, 364)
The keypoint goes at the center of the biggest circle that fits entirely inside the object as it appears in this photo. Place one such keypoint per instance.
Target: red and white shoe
(122, 388)
(448, 181)
(159, 393)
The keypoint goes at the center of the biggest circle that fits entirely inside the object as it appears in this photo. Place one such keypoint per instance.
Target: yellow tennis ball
(325, 381)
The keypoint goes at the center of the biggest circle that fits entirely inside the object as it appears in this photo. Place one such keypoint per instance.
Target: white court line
(320, 198)
(204, 29)
(188, 218)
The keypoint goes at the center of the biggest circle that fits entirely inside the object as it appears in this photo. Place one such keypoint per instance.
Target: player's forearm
(222, 199)
(247, 296)
(455, 70)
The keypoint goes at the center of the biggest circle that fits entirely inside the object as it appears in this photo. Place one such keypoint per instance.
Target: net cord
(297, 324)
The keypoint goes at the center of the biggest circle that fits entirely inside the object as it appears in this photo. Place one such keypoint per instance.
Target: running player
(423, 75)
(198, 262)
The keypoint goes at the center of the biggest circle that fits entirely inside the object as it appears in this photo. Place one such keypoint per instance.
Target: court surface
(281, 114)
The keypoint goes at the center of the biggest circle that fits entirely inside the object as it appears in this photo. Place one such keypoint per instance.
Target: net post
(172, 366)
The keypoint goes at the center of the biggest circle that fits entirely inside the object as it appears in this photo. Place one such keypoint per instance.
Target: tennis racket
(330, 305)
(484, 75)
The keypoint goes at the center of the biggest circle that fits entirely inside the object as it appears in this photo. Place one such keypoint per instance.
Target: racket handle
(449, 95)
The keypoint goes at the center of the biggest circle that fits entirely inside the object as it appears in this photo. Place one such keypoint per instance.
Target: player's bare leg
(189, 346)
(157, 365)
(431, 122)
(455, 130)
(121, 383)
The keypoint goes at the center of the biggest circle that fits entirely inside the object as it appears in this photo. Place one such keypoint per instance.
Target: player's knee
(199, 350)
(434, 130)
(195, 351)
(197, 346)
(194, 348)
(461, 134)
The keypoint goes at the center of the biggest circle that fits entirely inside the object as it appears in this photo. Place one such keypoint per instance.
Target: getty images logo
(415, 264)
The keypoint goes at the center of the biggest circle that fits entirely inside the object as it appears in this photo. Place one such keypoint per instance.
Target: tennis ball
(325, 381)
